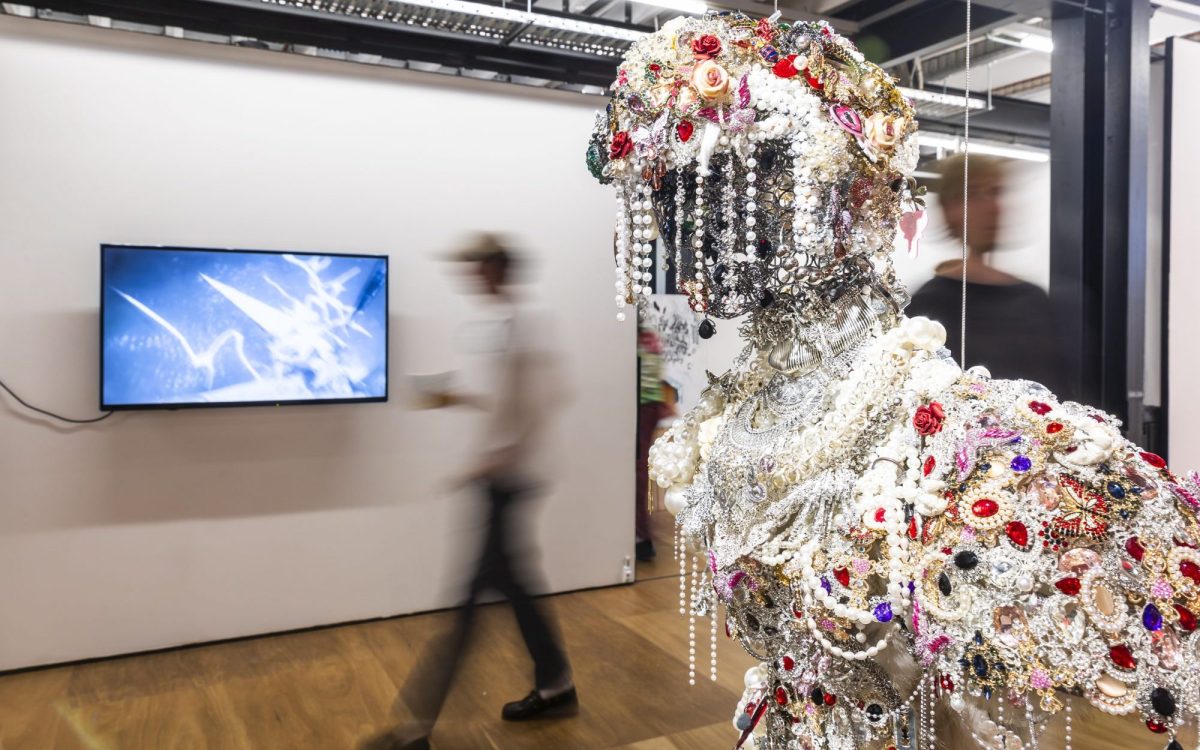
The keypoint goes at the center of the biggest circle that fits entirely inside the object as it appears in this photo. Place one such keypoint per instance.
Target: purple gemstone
(883, 612)
(1152, 618)
(825, 585)
(1021, 463)
(769, 53)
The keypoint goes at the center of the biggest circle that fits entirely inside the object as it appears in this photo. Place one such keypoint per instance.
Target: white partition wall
(161, 528)
(1181, 260)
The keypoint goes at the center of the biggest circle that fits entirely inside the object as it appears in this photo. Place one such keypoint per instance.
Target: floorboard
(325, 689)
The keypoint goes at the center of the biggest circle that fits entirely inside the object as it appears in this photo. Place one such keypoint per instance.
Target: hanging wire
(962, 345)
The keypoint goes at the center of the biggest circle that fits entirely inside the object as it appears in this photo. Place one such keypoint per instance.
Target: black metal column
(1127, 105)
(1100, 91)
(1076, 195)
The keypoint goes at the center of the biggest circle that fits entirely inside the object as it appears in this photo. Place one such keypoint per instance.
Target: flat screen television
(185, 327)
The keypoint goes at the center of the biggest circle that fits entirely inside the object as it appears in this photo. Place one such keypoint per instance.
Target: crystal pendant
(1011, 625)
(1069, 618)
(1078, 560)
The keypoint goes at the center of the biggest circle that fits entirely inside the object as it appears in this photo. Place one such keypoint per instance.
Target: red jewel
(655, 67)
(1134, 548)
(929, 464)
(750, 707)
(781, 696)
(1183, 543)
(684, 129)
(1037, 407)
(1187, 620)
(1017, 533)
(912, 528)
(879, 513)
(1190, 569)
(985, 508)
(784, 68)
(1155, 727)
(1153, 459)
(1069, 586)
(842, 575)
(947, 683)
(830, 699)
(812, 80)
(1122, 656)
(1054, 427)
(789, 663)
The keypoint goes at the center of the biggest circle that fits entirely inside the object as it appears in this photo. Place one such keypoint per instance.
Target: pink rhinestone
(861, 566)
(1039, 680)
(1162, 590)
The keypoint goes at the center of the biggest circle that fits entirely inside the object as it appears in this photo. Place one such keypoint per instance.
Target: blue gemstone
(1116, 490)
(1152, 618)
(825, 585)
(980, 665)
(883, 612)
(769, 53)
(1021, 463)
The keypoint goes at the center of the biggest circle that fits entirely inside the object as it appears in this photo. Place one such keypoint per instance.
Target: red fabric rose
(928, 419)
(706, 47)
(684, 129)
(622, 145)
(765, 29)
(786, 68)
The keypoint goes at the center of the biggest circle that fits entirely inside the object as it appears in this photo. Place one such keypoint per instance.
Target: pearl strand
(712, 645)
(642, 233)
(931, 716)
(1067, 733)
(692, 626)
(1033, 731)
(622, 260)
(680, 202)
(682, 580)
(698, 259)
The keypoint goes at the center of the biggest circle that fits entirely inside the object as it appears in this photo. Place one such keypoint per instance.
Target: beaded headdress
(773, 160)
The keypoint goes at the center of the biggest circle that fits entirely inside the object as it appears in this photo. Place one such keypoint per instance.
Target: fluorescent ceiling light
(989, 148)
(694, 7)
(1178, 6)
(535, 19)
(1025, 37)
(934, 97)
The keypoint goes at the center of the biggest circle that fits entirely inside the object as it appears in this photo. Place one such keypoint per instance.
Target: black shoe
(534, 705)
(388, 741)
(645, 551)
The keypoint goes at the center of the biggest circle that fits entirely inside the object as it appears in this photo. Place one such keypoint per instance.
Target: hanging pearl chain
(622, 266)
(1067, 733)
(712, 645)
(692, 626)
(1033, 732)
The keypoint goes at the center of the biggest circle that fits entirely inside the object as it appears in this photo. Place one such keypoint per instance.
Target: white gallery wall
(1181, 261)
(160, 528)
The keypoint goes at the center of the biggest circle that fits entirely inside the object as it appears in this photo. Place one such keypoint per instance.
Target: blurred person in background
(1010, 328)
(652, 408)
(525, 390)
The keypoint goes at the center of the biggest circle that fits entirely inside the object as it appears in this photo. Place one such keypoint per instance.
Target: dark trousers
(500, 569)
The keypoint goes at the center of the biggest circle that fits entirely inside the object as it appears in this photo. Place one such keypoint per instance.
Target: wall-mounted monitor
(196, 327)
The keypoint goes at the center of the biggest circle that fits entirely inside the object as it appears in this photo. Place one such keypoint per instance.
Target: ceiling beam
(925, 29)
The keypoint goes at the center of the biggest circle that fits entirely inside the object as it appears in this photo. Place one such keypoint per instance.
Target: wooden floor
(326, 689)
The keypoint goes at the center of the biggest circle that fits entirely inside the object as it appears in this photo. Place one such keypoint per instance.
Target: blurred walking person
(525, 390)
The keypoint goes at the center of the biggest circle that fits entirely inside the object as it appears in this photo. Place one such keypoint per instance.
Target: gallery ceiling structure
(575, 44)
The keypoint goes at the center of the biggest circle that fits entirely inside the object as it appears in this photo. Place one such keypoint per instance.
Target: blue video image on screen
(201, 326)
